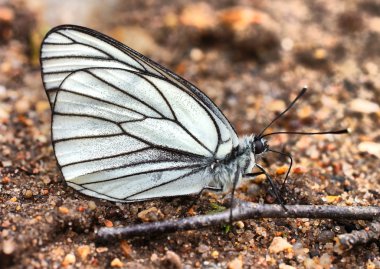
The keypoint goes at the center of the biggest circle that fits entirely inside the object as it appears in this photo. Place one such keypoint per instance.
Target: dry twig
(348, 240)
(244, 211)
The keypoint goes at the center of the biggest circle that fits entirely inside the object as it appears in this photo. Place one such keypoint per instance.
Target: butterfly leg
(274, 187)
(207, 188)
(290, 165)
(236, 179)
(253, 174)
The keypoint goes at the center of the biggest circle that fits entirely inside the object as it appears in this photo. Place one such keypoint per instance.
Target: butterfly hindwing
(124, 128)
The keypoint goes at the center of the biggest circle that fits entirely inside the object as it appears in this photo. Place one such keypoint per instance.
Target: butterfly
(126, 129)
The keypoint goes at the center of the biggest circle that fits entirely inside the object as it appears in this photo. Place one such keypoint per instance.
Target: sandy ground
(251, 59)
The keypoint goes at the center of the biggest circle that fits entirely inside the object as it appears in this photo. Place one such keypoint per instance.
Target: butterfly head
(259, 145)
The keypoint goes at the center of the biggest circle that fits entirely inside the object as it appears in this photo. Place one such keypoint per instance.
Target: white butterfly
(124, 128)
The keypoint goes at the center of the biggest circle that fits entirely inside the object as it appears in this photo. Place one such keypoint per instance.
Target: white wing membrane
(59, 65)
(189, 113)
(188, 183)
(70, 101)
(138, 86)
(90, 149)
(168, 183)
(73, 49)
(84, 82)
(121, 173)
(56, 38)
(74, 126)
(161, 132)
(124, 128)
(109, 49)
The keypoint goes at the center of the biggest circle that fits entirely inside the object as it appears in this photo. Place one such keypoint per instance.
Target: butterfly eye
(260, 146)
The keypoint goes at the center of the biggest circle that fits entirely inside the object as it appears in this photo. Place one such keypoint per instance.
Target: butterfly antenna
(304, 89)
(343, 131)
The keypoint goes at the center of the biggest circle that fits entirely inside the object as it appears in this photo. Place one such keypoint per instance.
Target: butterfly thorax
(243, 157)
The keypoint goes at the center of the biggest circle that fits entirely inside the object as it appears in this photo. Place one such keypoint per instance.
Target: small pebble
(191, 212)
(320, 54)
(374, 24)
(287, 44)
(28, 194)
(276, 106)
(236, 263)
(299, 170)
(371, 68)
(370, 265)
(310, 263)
(5, 180)
(83, 252)
(126, 248)
(46, 180)
(279, 244)
(154, 258)
(49, 218)
(259, 179)
(150, 215)
(239, 224)
(5, 224)
(332, 199)
(325, 260)
(215, 254)
(22, 106)
(68, 260)
(101, 249)
(202, 248)
(6, 14)
(281, 170)
(261, 231)
(108, 223)
(205, 16)
(239, 18)
(42, 106)
(325, 236)
(91, 205)
(171, 19)
(171, 260)
(9, 246)
(363, 106)
(305, 112)
(116, 263)
(63, 210)
(7, 163)
(196, 55)
(370, 147)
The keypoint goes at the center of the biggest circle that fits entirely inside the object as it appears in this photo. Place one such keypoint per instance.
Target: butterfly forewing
(124, 128)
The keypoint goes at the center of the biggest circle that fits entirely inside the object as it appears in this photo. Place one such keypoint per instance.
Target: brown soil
(251, 60)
